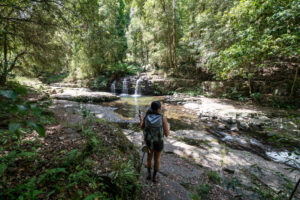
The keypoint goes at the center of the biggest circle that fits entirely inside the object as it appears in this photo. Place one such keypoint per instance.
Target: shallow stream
(183, 118)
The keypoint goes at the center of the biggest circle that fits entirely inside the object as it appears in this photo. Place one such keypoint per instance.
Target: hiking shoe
(149, 174)
(154, 177)
(154, 180)
(149, 177)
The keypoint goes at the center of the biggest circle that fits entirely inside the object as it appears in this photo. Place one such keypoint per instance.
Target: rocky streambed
(212, 134)
(271, 133)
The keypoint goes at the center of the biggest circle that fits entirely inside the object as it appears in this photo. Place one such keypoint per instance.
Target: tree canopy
(227, 39)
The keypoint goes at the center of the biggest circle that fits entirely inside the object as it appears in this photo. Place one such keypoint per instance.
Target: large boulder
(84, 95)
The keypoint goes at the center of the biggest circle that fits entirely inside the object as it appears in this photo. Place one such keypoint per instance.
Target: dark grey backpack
(153, 131)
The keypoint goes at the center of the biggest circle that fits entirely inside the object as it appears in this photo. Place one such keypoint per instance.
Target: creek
(182, 117)
(202, 139)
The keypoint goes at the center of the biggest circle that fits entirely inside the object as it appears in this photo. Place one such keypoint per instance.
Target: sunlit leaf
(22, 109)
(3, 167)
(38, 128)
(13, 127)
(10, 94)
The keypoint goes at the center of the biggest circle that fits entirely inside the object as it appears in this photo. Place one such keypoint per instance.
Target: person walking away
(155, 127)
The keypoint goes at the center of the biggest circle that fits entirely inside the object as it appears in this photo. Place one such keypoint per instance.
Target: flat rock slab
(106, 113)
(216, 156)
(168, 187)
(164, 189)
(85, 96)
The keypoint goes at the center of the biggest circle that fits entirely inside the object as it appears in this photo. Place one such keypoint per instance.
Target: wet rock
(256, 123)
(204, 118)
(229, 120)
(231, 171)
(214, 117)
(221, 127)
(243, 125)
(220, 133)
(234, 128)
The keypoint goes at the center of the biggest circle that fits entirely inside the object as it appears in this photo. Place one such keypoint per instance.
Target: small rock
(204, 118)
(234, 128)
(228, 170)
(228, 120)
(221, 127)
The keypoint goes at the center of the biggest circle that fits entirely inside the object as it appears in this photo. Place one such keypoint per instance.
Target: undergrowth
(101, 166)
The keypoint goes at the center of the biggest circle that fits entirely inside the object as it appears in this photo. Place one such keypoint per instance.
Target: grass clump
(213, 177)
(202, 192)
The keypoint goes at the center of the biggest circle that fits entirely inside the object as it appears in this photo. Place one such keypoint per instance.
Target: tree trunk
(174, 35)
(249, 85)
(170, 59)
(294, 190)
(5, 64)
(295, 79)
(3, 79)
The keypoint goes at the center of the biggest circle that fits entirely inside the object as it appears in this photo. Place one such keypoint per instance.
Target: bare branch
(15, 61)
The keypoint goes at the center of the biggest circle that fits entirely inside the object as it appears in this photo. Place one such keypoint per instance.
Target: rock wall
(153, 84)
(269, 92)
(145, 85)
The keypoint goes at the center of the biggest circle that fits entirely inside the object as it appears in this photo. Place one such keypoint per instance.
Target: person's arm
(142, 124)
(166, 127)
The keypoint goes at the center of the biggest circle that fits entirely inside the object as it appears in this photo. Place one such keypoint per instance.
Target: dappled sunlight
(78, 81)
(218, 157)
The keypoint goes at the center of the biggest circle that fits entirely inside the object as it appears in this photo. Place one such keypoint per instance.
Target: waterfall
(124, 88)
(137, 89)
(113, 87)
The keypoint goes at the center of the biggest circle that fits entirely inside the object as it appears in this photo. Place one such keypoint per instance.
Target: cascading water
(113, 87)
(137, 88)
(124, 88)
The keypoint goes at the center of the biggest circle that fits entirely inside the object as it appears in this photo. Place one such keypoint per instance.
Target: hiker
(155, 127)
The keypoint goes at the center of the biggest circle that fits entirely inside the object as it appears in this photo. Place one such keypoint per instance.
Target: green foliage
(195, 91)
(256, 96)
(232, 183)
(100, 46)
(125, 178)
(100, 82)
(10, 94)
(217, 39)
(96, 195)
(233, 93)
(258, 36)
(32, 42)
(18, 111)
(51, 174)
(49, 78)
(124, 69)
(202, 192)
(213, 177)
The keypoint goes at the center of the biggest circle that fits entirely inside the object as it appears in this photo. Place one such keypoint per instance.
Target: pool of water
(178, 118)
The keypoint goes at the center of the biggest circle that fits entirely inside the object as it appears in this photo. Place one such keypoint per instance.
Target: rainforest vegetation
(226, 39)
(100, 41)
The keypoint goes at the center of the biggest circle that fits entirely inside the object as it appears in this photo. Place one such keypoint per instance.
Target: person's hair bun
(155, 105)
